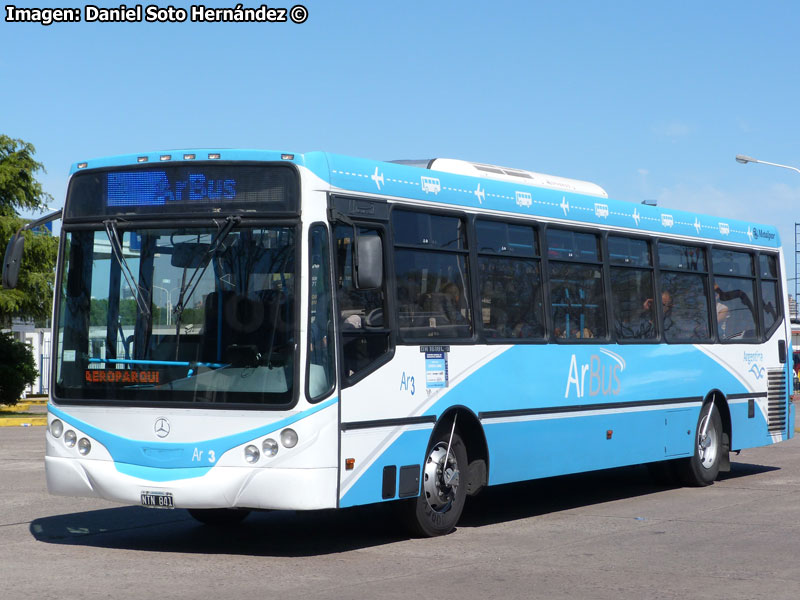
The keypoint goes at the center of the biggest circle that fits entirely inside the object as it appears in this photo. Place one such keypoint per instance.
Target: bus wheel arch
(469, 427)
(455, 466)
(721, 402)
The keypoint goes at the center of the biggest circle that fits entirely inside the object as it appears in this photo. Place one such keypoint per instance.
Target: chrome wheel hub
(440, 478)
(707, 445)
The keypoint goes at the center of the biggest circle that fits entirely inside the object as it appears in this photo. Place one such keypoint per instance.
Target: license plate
(157, 500)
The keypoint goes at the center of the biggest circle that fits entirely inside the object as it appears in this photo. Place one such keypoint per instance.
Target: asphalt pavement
(606, 535)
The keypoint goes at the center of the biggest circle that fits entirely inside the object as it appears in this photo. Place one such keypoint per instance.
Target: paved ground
(604, 535)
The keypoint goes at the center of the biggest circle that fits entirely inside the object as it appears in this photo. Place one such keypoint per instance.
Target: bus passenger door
(365, 344)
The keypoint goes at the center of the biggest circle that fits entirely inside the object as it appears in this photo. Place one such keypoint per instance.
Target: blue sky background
(648, 99)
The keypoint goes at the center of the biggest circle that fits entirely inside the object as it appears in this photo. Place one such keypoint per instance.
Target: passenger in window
(733, 295)
(740, 312)
(689, 321)
(451, 303)
(666, 305)
(352, 322)
(722, 319)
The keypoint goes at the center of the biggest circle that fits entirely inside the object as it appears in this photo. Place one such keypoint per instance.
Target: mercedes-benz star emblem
(161, 427)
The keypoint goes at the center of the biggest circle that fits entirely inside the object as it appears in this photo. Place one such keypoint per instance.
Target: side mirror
(12, 260)
(369, 262)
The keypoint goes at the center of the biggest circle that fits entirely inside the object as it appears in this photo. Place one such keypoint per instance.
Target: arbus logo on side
(603, 375)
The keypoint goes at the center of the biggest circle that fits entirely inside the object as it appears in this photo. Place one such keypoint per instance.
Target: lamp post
(741, 158)
(169, 301)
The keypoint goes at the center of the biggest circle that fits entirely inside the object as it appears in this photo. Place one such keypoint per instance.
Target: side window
(365, 337)
(735, 293)
(510, 281)
(430, 259)
(684, 293)
(770, 293)
(632, 288)
(576, 284)
(321, 365)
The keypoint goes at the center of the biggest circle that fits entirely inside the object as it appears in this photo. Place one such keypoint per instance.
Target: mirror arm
(335, 215)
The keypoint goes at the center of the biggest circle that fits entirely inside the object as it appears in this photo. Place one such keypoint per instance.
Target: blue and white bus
(239, 330)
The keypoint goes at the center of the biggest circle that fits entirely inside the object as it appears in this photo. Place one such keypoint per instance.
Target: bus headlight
(251, 454)
(270, 447)
(56, 428)
(289, 438)
(70, 438)
(84, 446)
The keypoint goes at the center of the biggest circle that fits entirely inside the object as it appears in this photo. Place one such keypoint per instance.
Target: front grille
(776, 399)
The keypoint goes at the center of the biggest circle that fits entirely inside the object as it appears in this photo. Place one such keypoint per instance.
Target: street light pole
(741, 158)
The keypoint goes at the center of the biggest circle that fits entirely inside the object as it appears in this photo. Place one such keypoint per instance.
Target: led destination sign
(182, 189)
(148, 188)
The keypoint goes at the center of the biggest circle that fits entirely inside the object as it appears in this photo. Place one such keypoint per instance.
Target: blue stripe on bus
(173, 460)
(525, 448)
(403, 181)
(567, 375)
(408, 449)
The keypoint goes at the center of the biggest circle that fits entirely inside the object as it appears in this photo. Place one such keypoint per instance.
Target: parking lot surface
(611, 534)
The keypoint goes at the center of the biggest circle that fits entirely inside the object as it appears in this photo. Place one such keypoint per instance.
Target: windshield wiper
(116, 248)
(190, 286)
(194, 280)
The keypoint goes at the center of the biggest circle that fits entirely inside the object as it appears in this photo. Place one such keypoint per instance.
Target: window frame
(467, 252)
(369, 213)
(766, 334)
(331, 283)
(710, 314)
(538, 230)
(190, 223)
(653, 270)
(546, 280)
(753, 278)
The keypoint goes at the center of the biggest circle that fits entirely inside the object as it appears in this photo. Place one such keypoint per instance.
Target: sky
(650, 100)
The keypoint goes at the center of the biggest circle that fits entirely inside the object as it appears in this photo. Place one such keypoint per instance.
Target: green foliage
(17, 368)
(32, 299)
(18, 186)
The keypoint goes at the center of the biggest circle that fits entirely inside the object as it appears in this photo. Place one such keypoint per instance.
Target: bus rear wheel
(703, 467)
(219, 517)
(444, 491)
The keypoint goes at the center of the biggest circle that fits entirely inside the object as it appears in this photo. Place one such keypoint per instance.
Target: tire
(702, 468)
(219, 517)
(438, 508)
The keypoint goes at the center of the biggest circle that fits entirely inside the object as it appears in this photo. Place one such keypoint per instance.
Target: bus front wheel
(703, 467)
(438, 508)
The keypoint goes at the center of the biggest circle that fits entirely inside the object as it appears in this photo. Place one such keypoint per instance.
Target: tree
(32, 299)
(17, 368)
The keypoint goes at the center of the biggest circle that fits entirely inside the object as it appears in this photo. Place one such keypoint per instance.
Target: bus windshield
(178, 315)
